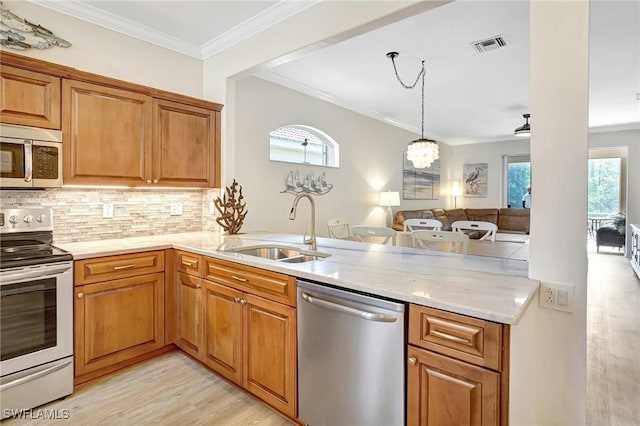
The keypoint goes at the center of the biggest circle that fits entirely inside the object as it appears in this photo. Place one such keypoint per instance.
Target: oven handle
(28, 161)
(40, 272)
(35, 375)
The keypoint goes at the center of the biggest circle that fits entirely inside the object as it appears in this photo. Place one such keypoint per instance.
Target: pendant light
(524, 130)
(421, 152)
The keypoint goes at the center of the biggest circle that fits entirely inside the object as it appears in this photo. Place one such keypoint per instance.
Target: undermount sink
(279, 253)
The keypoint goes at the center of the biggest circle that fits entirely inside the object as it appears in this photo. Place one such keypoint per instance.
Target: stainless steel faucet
(292, 215)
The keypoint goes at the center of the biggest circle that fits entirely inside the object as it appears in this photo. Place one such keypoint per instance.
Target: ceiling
(470, 97)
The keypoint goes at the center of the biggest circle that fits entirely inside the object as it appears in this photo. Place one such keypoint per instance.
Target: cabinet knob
(412, 361)
(236, 299)
(80, 295)
(242, 301)
(148, 180)
(198, 285)
(155, 181)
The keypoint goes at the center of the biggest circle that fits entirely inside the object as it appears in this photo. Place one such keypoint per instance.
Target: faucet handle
(305, 239)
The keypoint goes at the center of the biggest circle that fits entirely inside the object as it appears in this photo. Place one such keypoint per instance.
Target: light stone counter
(482, 287)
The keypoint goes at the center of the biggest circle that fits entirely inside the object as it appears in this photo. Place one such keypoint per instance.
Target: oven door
(15, 163)
(36, 315)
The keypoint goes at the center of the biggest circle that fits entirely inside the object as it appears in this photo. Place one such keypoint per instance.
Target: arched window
(303, 145)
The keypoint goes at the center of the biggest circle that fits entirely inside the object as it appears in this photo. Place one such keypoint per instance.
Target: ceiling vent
(488, 44)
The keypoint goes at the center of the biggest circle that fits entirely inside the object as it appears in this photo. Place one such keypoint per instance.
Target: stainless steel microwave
(30, 157)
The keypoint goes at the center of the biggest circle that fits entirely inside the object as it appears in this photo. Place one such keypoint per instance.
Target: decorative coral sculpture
(232, 212)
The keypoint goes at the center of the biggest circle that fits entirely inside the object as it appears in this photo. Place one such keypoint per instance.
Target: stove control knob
(41, 218)
(13, 219)
(28, 218)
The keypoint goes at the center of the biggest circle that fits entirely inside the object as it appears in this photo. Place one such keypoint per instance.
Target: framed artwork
(474, 178)
(420, 184)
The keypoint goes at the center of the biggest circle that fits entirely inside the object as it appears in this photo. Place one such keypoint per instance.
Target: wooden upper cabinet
(29, 98)
(107, 135)
(185, 147)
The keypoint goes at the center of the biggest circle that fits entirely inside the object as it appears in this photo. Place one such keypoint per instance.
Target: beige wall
(105, 52)
(370, 159)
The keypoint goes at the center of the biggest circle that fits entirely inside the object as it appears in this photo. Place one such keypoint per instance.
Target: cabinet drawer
(470, 339)
(114, 267)
(189, 263)
(270, 285)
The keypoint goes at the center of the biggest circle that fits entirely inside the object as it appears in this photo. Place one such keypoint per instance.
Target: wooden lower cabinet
(189, 315)
(444, 391)
(118, 320)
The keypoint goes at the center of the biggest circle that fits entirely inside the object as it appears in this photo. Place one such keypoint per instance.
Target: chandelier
(421, 152)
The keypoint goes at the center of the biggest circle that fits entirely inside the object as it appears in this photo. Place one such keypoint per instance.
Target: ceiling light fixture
(421, 152)
(524, 130)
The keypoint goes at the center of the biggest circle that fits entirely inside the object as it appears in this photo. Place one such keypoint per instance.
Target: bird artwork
(22, 34)
(473, 180)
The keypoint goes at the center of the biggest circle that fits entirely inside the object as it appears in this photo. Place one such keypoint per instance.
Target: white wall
(492, 154)
(105, 52)
(370, 159)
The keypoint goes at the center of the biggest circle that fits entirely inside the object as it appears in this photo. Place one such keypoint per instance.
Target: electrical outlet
(176, 209)
(107, 210)
(557, 296)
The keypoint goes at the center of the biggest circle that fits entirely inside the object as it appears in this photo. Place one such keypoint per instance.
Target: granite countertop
(482, 287)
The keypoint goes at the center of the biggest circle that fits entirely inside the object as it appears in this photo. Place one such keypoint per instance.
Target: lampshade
(422, 153)
(455, 188)
(389, 198)
(524, 130)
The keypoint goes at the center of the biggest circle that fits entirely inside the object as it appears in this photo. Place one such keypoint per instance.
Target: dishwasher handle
(369, 316)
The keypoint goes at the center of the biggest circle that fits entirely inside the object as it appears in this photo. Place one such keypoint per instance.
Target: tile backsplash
(77, 212)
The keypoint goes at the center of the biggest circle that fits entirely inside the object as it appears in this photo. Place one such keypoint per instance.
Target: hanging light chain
(421, 74)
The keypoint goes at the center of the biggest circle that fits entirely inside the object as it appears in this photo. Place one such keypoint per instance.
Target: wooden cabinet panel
(189, 314)
(185, 150)
(118, 320)
(470, 339)
(270, 285)
(107, 135)
(270, 350)
(223, 330)
(94, 270)
(29, 98)
(444, 391)
(189, 263)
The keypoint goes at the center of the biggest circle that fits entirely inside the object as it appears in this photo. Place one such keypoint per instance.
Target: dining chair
(415, 224)
(458, 239)
(490, 228)
(365, 234)
(339, 229)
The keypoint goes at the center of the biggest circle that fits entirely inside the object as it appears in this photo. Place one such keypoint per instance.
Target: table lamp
(388, 199)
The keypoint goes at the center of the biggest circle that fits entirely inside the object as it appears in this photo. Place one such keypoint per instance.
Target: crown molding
(271, 16)
(614, 128)
(310, 91)
(265, 19)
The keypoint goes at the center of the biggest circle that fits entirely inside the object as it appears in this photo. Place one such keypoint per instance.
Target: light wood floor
(171, 389)
(613, 340)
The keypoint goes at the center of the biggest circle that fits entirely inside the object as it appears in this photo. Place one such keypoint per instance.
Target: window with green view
(518, 170)
(604, 186)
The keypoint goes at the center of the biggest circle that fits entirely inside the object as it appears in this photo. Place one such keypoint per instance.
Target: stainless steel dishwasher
(351, 352)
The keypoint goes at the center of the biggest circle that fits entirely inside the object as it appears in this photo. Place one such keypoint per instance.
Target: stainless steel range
(36, 312)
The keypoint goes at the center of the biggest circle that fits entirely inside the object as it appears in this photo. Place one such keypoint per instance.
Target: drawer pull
(188, 264)
(236, 299)
(198, 285)
(244, 280)
(243, 302)
(117, 268)
(80, 295)
(450, 337)
(412, 361)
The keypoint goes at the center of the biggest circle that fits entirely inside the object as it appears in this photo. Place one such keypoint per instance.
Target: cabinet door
(186, 149)
(107, 135)
(189, 314)
(444, 391)
(223, 330)
(118, 320)
(270, 352)
(29, 98)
